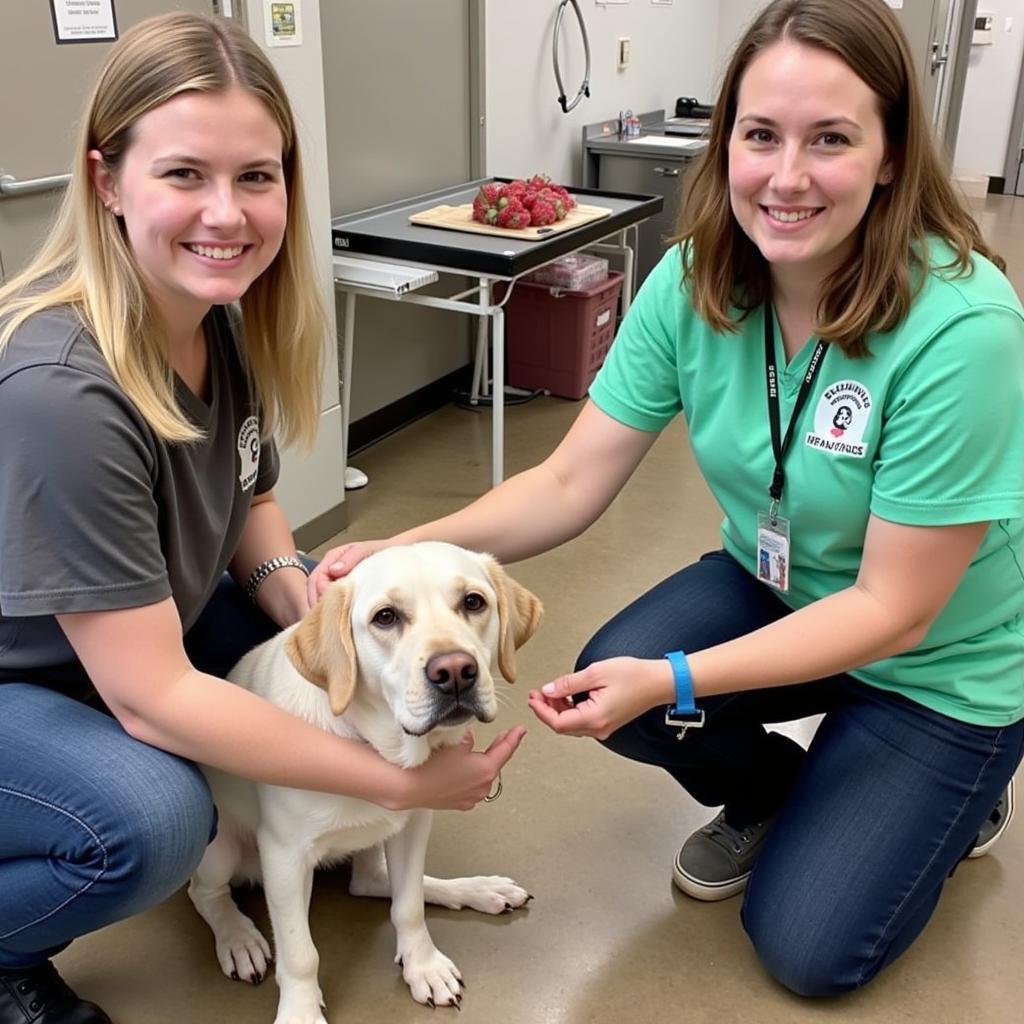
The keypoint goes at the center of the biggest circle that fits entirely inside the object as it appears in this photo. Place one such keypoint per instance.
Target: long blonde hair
(87, 263)
(872, 291)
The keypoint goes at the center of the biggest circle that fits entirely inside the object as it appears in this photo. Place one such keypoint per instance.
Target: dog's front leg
(490, 894)
(242, 951)
(432, 978)
(287, 885)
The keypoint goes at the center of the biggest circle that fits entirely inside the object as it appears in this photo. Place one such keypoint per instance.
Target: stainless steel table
(368, 242)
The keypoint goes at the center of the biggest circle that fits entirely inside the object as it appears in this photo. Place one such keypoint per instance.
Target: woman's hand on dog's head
(338, 562)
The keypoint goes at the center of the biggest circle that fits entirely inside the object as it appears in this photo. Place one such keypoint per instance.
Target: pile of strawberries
(533, 202)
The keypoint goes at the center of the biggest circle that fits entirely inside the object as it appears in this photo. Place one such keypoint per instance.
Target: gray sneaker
(715, 862)
(995, 824)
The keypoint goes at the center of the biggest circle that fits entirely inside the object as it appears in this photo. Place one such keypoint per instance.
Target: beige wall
(993, 73)
(673, 55)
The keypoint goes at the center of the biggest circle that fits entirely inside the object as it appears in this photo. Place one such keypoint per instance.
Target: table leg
(497, 392)
(354, 478)
(480, 356)
(627, 275)
(485, 368)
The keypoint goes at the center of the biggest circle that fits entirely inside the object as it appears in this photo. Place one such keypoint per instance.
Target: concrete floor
(592, 836)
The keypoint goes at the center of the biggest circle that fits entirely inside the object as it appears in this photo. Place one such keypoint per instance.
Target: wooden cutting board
(460, 218)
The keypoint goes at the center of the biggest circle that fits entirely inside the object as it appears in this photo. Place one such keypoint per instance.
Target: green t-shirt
(928, 430)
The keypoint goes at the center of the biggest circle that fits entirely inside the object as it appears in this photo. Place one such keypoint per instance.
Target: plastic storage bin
(574, 272)
(557, 340)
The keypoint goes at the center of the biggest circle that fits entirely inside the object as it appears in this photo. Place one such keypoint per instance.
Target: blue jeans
(872, 819)
(94, 825)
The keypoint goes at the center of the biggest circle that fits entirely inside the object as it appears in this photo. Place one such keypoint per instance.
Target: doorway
(939, 33)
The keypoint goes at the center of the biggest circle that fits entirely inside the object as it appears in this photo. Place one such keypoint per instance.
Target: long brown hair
(872, 291)
(87, 263)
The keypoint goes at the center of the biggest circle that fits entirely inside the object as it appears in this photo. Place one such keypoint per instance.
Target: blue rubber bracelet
(684, 683)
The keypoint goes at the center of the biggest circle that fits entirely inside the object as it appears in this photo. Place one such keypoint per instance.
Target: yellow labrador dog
(401, 654)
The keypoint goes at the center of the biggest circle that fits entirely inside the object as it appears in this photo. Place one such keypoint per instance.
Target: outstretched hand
(338, 562)
(458, 778)
(616, 691)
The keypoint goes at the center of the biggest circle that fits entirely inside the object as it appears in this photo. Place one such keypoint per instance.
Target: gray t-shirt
(96, 512)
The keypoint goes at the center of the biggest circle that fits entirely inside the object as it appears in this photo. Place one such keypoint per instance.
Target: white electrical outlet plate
(625, 53)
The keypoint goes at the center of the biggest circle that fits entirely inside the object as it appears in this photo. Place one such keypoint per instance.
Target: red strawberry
(543, 212)
(549, 195)
(514, 215)
(563, 193)
(538, 181)
(485, 203)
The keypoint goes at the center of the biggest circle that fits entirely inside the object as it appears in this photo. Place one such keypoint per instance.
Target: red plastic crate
(557, 340)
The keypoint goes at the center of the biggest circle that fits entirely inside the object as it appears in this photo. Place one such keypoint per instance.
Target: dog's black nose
(452, 672)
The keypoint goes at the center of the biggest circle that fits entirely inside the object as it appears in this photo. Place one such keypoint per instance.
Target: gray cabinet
(653, 175)
(654, 164)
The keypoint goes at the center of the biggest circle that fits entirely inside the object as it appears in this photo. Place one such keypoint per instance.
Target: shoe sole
(983, 848)
(707, 892)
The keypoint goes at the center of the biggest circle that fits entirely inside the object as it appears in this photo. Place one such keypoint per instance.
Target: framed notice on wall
(83, 21)
(282, 22)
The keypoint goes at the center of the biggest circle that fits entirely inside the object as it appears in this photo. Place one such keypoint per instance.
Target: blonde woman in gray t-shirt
(137, 409)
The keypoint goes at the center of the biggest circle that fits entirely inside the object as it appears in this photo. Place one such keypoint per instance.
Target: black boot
(37, 995)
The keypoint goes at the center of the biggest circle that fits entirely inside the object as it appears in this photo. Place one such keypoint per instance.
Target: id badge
(773, 551)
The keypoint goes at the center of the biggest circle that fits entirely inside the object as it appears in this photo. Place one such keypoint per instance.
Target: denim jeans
(94, 825)
(871, 820)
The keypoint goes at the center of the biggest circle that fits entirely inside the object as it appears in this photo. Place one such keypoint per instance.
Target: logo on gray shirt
(248, 452)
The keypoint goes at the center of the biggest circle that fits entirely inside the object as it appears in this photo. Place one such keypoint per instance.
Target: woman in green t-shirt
(850, 361)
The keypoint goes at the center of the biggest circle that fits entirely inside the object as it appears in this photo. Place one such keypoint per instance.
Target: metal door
(925, 24)
(939, 35)
(1014, 173)
(402, 98)
(43, 86)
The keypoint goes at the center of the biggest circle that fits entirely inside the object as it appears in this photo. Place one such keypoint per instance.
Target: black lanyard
(781, 445)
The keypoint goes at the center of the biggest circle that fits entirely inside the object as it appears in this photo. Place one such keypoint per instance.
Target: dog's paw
(243, 953)
(314, 1017)
(490, 894)
(432, 979)
(300, 1003)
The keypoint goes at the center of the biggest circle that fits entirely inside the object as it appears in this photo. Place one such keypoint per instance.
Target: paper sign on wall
(282, 23)
(83, 21)
(896, 5)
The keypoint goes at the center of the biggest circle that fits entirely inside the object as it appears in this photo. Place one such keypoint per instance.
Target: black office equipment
(687, 106)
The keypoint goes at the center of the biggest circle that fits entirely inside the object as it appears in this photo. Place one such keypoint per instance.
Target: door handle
(10, 186)
(937, 61)
(667, 172)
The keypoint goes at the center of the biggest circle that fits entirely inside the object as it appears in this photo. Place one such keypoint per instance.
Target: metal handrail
(11, 187)
(584, 89)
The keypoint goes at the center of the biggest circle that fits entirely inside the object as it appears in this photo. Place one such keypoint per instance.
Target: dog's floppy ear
(519, 615)
(322, 649)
